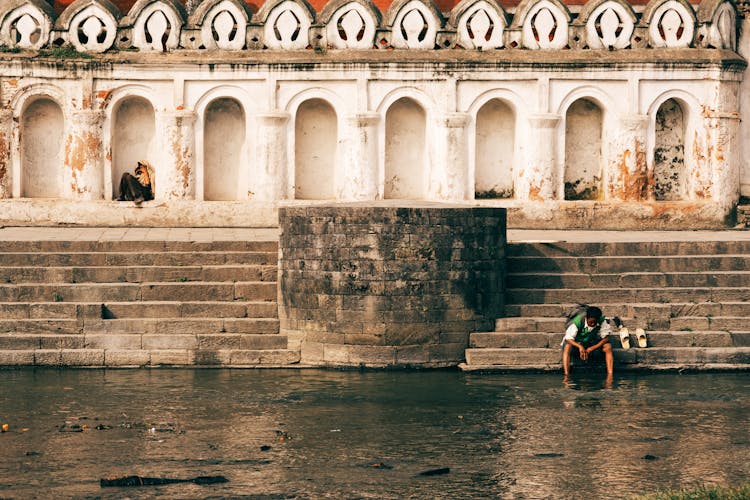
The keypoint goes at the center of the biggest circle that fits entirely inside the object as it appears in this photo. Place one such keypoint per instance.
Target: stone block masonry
(380, 286)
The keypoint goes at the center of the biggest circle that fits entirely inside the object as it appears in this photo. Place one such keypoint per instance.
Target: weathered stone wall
(385, 286)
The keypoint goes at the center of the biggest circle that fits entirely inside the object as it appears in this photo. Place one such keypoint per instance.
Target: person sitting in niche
(138, 187)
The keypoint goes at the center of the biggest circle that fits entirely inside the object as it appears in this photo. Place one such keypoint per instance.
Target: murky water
(331, 434)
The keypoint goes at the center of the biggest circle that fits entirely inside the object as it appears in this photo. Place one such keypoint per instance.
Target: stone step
(657, 248)
(538, 280)
(115, 310)
(645, 311)
(627, 295)
(41, 325)
(629, 264)
(634, 358)
(161, 357)
(128, 292)
(183, 326)
(137, 341)
(539, 340)
(137, 274)
(174, 309)
(678, 323)
(134, 245)
(89, 259)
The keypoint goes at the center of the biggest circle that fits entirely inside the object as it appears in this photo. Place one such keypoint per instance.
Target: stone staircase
(692, 298)
(140, 303)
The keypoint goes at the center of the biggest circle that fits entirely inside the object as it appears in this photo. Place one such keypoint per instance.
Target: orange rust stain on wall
(534, 193)
(3, 159)
(635, 184)
(12, 83)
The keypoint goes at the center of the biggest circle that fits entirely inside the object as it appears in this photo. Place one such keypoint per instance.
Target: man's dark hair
(593, 312)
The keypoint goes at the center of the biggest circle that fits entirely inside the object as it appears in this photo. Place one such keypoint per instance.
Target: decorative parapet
(97, 26)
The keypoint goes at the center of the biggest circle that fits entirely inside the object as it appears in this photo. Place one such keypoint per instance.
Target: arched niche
(494, 151)
(414, 24)
(609, 23)
(480, 24)
(222, 23)
(156, 24)
(583, 174)
(91, 25)
(42, 137)
(670, 174)
(671, 23)
(718, 19)
(405, 150)
(315, 150)
(543, 24)
(350, 24)
(133, 137)
(26, 24)
(224, 167)
(286, 24)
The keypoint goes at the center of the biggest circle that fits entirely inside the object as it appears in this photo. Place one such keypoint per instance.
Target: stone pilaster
(175, 170)
(721, 179)
(269, 174)
(537, 180)
(360, 159)
(627, 166)
(83, 174)
(449, 161)
(6, 169)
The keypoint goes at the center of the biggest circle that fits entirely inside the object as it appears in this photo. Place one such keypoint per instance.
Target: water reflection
(331, 434)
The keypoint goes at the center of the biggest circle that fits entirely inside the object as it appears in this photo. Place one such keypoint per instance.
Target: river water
(348, 434)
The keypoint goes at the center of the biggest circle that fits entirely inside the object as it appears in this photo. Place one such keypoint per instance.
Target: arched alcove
(223, 146)
(495, 144)
(42, 135)
(315, 141)
(405, 150)
(583, 151)
(669, 152)
(133, 134)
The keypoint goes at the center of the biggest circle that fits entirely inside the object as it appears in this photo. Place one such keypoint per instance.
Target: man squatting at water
(587, 332)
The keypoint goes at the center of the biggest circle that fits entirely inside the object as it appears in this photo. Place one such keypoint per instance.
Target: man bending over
(587, 332)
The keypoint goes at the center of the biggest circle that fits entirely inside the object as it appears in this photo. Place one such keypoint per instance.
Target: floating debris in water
(435, 472)
(650, 457)
(549, 455)
(155, 481)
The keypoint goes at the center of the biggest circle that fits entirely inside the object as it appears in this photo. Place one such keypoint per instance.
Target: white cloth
(572, 331)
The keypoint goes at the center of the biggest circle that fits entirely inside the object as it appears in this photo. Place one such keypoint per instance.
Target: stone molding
(96, 26)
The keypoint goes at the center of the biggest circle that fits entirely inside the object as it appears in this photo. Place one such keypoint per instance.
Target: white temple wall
(446, 158)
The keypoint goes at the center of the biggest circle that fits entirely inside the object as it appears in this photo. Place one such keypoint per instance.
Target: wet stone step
(657, 357)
